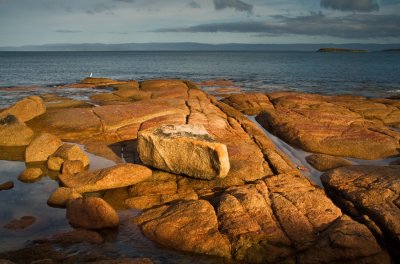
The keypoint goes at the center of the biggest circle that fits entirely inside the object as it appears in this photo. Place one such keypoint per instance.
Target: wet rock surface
(370, 194)
(6, 185)
(324, 162)
(21, 223)
(78, 236)
(91, 213)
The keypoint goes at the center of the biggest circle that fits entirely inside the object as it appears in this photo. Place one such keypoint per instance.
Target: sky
(36, 22)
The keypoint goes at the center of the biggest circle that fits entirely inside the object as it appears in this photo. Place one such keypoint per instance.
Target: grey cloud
(67, 31)
(117, 33)
(126, 1)
(99, 8)
(236, 4)
(351, 5)
(355, 26)
(194, 4)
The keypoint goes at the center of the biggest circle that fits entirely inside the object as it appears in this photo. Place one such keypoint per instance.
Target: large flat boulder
(41, 147)
(184, 149)
(320, 124)
(69, 123)
(117, 116)
(13, 132)
(27, 108)
(188, 226)
(165, 88)
(371, 194)
(109, 178)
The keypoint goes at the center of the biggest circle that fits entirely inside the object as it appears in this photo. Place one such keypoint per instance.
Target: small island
(340, 50)
(391, 50)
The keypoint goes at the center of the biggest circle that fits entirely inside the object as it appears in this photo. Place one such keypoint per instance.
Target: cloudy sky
(32, 22)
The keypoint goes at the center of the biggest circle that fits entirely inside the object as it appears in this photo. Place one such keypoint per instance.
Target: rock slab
(109, 178)
(184, 149)
(188, 226)
(371, 194)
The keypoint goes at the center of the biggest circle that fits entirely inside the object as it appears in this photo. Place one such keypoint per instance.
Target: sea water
(374, 74)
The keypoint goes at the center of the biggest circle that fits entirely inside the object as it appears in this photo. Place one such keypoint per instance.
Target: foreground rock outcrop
(263, 210)
(281, 219)
(370, 194)
(184, 149)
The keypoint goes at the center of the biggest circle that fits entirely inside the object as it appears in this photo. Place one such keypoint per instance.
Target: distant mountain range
(189, 46)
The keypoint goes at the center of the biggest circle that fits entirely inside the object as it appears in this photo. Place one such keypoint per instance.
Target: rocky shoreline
(207, 179)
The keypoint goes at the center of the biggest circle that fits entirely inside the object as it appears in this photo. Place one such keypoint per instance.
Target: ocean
(374, 74)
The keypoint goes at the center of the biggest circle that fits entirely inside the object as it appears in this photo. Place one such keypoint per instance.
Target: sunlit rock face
(184, 149)
(109, 178)
(348, 126)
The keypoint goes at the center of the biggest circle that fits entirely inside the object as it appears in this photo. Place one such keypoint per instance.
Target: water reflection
(30, 199)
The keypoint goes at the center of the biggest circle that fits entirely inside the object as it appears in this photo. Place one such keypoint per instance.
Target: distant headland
(341, 50)
(192, 46)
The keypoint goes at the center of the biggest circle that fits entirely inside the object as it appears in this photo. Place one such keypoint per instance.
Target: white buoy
(91, 74)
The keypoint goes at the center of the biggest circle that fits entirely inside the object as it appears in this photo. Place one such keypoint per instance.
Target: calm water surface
(369, 74)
